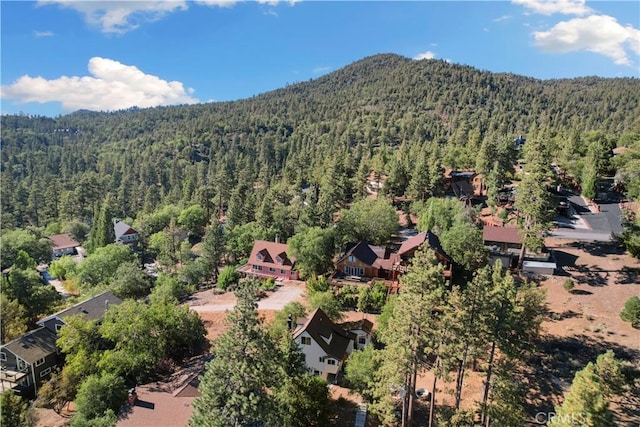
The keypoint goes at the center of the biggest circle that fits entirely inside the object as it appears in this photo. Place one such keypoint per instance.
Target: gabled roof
(333, 340)
(33, 345)
(375, 256)
(357, 325)
(416, 241)
(501, 235)
(62, 241)
(92, 308)
(121, 229)
(270, 251)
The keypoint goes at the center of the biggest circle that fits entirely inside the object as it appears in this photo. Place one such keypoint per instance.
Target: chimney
(277, 238)
(290, 322)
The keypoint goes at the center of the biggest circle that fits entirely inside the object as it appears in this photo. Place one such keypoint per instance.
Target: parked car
(422, 393)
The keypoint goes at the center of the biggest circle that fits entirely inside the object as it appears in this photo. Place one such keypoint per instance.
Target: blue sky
(59, 56)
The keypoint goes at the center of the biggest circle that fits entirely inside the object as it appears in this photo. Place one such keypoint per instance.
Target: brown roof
(33, 345)
(270, 252)
(414, 242)
(357, 325)
(375, 256)
(501, 234)
(62, 241)
(330, 337)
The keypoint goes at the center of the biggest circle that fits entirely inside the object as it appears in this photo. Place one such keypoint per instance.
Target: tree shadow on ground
(552, 368)
(628, 276)
(580, 292)
(569, 314)
(599, 248)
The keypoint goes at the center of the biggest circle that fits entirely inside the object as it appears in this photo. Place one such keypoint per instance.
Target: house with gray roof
(91, 309)
(124, 233)
(27, 362)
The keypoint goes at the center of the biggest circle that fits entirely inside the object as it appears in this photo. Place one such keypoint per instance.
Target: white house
(324, 344)
(124, 233)
(361, 329)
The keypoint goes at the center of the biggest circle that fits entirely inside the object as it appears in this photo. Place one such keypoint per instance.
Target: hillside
(379, 113)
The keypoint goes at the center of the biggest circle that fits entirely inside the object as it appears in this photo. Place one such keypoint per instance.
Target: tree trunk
(487, 384)
(460, 380)
(432, 404)
(412, 390)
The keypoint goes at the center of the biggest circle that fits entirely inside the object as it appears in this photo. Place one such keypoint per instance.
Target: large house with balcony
(362, 260)
(27, 361)
(270, 259)
(325, 345)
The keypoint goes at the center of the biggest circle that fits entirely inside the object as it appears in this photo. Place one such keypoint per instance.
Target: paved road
(608, 220)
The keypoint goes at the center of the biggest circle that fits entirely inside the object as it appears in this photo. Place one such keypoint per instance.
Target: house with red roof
(270, 259)
(364, 260)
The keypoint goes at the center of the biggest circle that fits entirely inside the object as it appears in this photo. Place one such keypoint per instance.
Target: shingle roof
(121, 229)
(270, 251)
(355, 325)
(33, 345)
(501, 234)
(62, 241)
(426, 236)
(333, 340)
(91, 309)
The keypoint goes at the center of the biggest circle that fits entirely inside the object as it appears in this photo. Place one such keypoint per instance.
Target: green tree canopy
(313, 250)
(368, 220)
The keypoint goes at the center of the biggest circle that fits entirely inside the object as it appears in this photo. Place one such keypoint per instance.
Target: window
(362, 340)
(351, 258)
(315, 372)
(3, 356)
(45, 372)
(331, 361)
(40, 362)
(283, 272)
(257, 267)
(320, 359)
(272, 270)
(306, 340)
(21, 364)
(279, 259)
(260, 257)
(354, 271)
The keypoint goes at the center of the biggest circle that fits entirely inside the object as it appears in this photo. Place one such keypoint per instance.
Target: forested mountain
(251, 158)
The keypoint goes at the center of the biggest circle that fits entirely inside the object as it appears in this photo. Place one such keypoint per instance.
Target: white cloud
(43, 33)
(425, 55)
(218, 3)
(120, 16)
(112, 86)
(550, 7)
(502, 18)
(600, 34)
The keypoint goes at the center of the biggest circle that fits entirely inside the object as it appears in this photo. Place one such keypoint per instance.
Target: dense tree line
(252, 159)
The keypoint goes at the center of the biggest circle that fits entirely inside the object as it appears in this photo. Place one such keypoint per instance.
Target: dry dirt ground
(580, 325)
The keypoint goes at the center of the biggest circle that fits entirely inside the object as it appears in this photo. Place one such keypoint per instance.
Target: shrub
(228, 277)
(568, 285)
(631, 311)
(269, 284)
(317, 284)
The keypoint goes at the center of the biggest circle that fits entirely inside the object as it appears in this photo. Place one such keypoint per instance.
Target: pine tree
(587, 401)
(236, 382)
